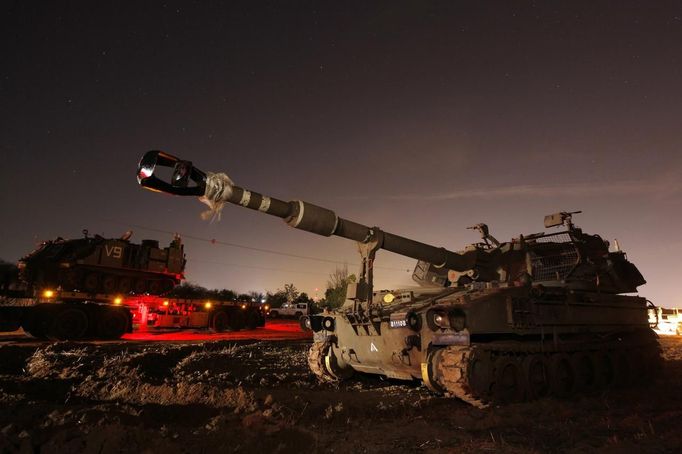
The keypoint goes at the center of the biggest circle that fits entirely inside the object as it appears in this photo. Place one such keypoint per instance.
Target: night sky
(419, 117)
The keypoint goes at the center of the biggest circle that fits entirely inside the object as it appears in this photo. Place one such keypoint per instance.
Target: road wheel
(274, 314)
(109, 284)
(167, 285)
(604, 368)
(585, 372)
(536, 371)
(219, 321)
(125, 285)
(68, 324)
(140, 286)
(623, 369)
(480, 373)
(72, 280)
(655, 360)
(91, 282)
(562, 375)
(111, 324)
(298, 314)
(155, 287)
(508, 386)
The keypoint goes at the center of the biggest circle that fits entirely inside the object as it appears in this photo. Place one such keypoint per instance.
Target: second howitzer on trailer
(499, 321)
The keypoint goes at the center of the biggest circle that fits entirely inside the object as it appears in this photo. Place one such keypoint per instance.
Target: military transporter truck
(542, 314)
(70, 289)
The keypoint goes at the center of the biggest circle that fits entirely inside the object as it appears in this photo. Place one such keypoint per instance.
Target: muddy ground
(257, 396)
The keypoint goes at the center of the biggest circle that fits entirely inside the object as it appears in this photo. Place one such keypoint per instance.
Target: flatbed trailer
(165, 313)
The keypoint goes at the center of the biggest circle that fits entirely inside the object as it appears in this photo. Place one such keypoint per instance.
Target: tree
(290, 292)
(337, 285)
(275, 299)
(227, 295)
(188, 290)
(287, 295)
(256, 296)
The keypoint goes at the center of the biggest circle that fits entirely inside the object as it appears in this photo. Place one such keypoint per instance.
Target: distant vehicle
(290, 310)
(666, 321)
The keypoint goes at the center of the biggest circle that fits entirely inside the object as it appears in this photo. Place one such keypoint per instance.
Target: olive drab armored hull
(95, 264)
(542, 314)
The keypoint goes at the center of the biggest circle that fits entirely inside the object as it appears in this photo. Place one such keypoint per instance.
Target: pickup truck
(290, 310)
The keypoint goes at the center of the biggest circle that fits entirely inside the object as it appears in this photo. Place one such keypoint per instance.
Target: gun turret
(215, 189)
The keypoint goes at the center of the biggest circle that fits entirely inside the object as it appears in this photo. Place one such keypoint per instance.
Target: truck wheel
(274, 314)
(36, 324)
(9, 326)
(219, 321)
(236, 321)
(252, 319)
(91, 282)
(68, 324)
(298, 314)
(111, 324)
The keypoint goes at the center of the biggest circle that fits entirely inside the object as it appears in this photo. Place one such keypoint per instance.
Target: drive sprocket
(316, 361)
(447, 370)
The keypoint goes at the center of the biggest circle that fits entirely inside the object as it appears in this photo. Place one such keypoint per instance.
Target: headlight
(437, 319)
(442, 319)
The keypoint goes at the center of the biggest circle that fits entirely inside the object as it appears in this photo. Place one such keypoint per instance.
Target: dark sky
(419, 117)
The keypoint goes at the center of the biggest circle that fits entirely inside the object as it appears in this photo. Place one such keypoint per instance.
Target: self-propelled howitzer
(541, 314)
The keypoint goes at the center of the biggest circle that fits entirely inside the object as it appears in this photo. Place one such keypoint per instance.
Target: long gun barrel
(299, 214)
